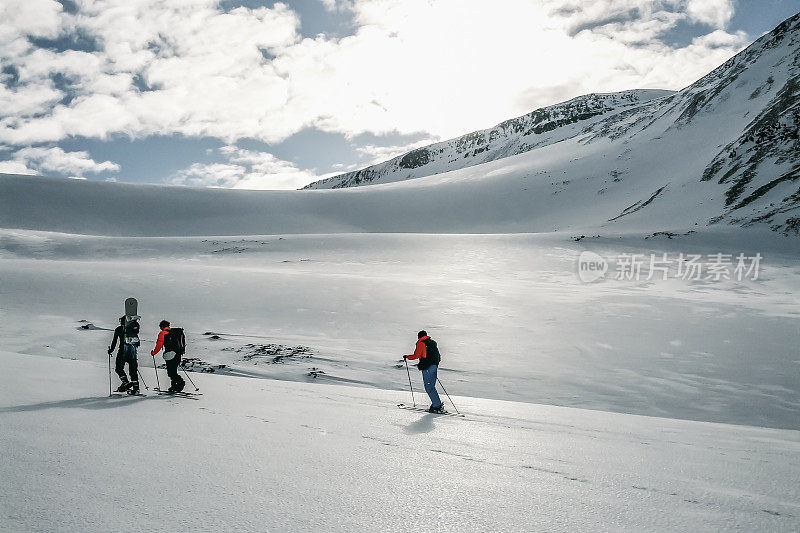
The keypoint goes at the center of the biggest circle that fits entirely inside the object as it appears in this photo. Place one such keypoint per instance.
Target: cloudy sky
(272, 95)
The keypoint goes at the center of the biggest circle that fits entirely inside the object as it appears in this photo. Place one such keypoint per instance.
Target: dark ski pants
(176, 381)
(429, 380)
(127, 355)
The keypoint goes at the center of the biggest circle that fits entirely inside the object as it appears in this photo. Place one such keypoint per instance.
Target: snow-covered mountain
(538, 128)
(722, 151)
(749, 106)
(736, 127)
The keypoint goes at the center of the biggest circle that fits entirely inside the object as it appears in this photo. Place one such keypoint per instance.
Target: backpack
(432, 355)
(132, 332)
(175, 341)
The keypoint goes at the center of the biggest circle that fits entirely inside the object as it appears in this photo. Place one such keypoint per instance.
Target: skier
(126, 353)
(172, 357)
(428, 354)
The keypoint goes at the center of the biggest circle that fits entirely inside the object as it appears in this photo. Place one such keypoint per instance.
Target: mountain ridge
(548, 124)
(739, 165)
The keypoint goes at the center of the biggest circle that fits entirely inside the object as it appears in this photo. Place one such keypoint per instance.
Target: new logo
(591, 267)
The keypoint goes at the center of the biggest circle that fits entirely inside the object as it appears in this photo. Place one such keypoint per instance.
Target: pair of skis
(423, 410)
(182, 394)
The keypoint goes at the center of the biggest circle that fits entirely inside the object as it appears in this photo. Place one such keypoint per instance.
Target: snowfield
(264, 455)
(511, 316)
(314, 440)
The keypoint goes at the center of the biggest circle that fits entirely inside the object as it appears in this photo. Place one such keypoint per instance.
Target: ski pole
(109, 371)
(448, 396)
(409, 382)
(190, 379)
(158, 385)
(142, 378)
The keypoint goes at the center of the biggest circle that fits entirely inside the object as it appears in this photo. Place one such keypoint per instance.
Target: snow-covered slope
(749, 112)
(259, 455)
(736, 128)
(512, 318)
(541, 127)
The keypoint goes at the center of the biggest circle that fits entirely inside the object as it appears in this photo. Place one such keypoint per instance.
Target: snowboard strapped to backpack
(175, 341)
(131, 325)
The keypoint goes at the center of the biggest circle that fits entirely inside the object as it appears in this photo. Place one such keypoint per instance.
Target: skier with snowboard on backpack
(428, 354)
(174, 344)
(128, 336)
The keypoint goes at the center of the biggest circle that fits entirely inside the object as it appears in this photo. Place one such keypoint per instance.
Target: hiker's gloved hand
(109, 351)
(405, 358)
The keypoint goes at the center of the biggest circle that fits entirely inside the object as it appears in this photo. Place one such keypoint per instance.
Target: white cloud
(377, 154)
(267, 171)
(717, 39)
(208, 68)
(37, 18)
(15, 167)
(716, 13)
(244, 169)
(42, 160)
(27, 101)
(209, 175)
(452, 66)
(19, 20)
(444, 67)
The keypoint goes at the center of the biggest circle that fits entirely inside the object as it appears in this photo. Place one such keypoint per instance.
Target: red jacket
(420, 352)
(427, 352)
(160, 341)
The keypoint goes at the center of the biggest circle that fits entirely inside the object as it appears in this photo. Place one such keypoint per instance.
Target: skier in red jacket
(428, 354)
(172, 359)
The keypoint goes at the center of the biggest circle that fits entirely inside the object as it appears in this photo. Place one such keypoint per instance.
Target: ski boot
(125, 385)
(439, 409)
(177, 386)
(134, 388)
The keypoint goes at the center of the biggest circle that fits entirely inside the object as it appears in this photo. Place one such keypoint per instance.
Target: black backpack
(175, 341)
(131, 333)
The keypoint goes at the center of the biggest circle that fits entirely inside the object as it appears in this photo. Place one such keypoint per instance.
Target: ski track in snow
(255, 455)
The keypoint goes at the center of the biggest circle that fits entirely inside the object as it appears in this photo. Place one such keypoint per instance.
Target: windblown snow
(648, 399)
(257, 455)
